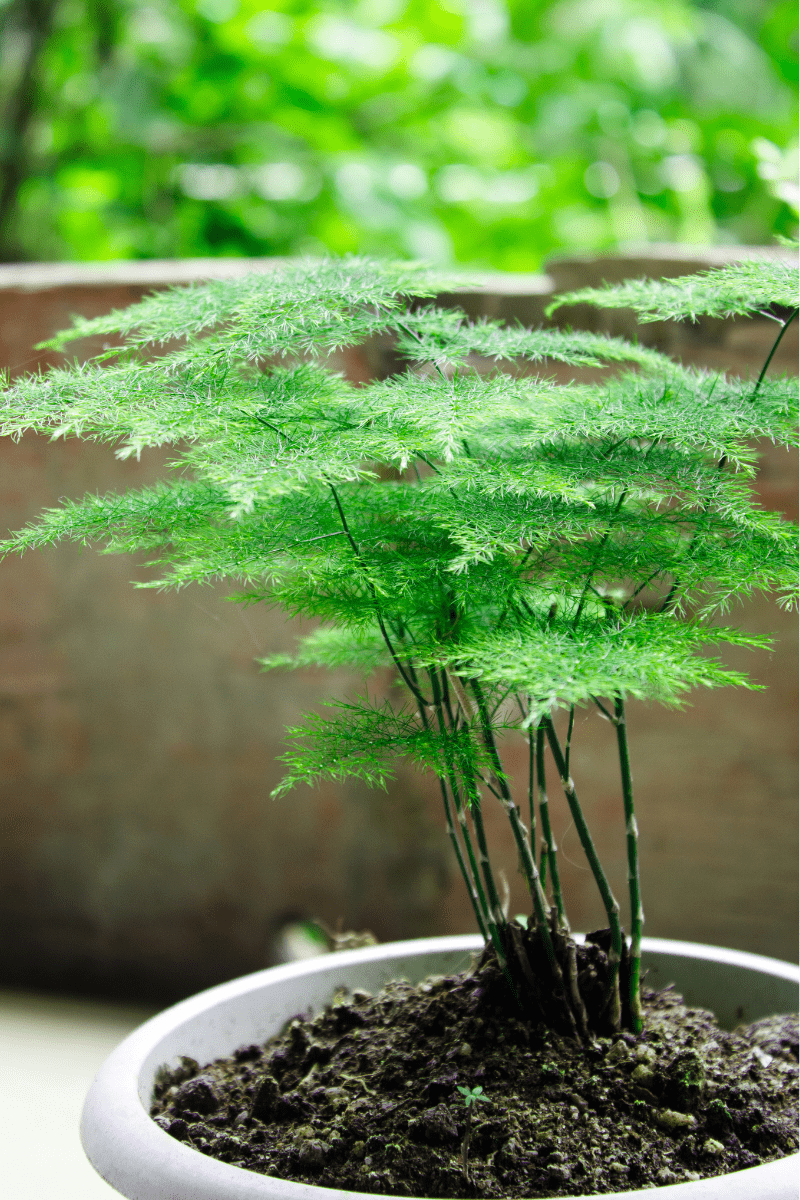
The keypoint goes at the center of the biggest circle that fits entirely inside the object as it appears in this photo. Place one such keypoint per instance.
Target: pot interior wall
(736, 994)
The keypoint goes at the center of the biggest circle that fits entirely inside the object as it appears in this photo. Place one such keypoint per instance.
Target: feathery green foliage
(302, 307)
(731, 291)
(505, 544)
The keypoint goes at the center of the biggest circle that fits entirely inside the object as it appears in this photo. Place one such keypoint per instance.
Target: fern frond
(361, 648)
(738, 289)
(445, 335)
(649, 657)
(310, 306)
(364, 742)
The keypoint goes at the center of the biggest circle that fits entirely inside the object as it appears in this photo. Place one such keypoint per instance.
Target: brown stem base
(576, 1004)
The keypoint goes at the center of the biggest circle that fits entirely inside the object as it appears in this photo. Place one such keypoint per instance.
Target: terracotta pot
(143, 1162)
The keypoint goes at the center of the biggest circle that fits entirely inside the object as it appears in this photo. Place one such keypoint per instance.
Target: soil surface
(365, 1097)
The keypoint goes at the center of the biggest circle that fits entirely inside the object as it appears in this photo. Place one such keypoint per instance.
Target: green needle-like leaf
(738, 289)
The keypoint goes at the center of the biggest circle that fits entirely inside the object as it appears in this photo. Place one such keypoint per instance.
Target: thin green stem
(670, 599)
(452, 715)
(543, 865)
(428, 462)
(476, 893)
(604, 711)
(775, 345)
(491, 906)
(474, 885)
(549, 847)
(634, 887)
(497, 918)
(532, 789)
(597, 557)
(473, 882)
(416, 693)
(451, 830)
(520, 569)
(640, 588)
(487, 783)
(568, 742)
(527, 861)
(435, 363)
(609, 902)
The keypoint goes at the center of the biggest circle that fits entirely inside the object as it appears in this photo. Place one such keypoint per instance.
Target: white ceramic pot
(143, 1162)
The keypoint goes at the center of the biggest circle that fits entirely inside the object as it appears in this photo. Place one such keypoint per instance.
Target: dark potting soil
(364, 1097)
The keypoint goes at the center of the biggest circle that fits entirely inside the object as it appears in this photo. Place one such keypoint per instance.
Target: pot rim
(118, 1133)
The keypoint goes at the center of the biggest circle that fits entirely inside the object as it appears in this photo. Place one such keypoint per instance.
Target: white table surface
(50, 1049)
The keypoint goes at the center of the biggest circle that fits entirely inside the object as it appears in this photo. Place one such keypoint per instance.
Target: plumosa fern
(510, 546)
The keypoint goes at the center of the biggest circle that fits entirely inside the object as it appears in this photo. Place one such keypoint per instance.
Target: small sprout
(471, 1097)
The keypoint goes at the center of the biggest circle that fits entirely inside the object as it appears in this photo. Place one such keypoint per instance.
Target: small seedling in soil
(471, 1097)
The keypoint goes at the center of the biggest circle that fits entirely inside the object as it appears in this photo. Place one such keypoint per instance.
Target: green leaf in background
(488, 132)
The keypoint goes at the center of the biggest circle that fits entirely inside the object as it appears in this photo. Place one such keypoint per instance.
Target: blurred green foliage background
(489, 132)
